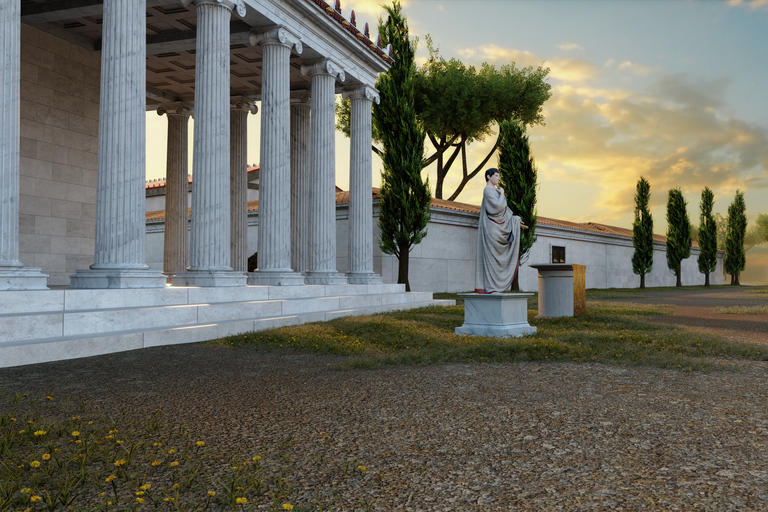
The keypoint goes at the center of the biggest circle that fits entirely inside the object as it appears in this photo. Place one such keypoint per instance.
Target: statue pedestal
(555, 289)
(502, 315)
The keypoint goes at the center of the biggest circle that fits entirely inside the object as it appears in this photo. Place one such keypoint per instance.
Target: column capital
(244, 104)
(300, 97)
(324, 67)
(362, 92)
(233, 5)
(173, 109)
(277, 36)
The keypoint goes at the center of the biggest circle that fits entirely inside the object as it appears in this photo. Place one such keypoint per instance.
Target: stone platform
(496, 314)
(49, 325)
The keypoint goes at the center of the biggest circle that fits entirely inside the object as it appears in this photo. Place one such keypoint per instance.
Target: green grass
(59, 455)
(610, 333)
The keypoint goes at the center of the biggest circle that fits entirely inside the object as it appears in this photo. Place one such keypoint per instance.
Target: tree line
(713, 233)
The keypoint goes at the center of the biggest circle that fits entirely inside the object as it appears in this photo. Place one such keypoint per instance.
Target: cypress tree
(678, 233)
(517, 172)
(642, 232)
(707, 259)
(405, 197)
(735, 255)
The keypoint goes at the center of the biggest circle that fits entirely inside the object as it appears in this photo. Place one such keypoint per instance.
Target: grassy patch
(610, 333)
(60, 455)
(742, 310)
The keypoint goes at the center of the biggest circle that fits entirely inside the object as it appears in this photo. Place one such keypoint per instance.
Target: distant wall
(59, 153)
(445, 260)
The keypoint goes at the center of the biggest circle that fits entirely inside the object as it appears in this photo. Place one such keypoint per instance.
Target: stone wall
(59, 149)
(445, 260)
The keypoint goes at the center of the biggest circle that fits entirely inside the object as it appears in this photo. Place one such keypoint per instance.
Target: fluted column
(210, 251)
(238, 181)
(274, 176)
(176, 189)
(13, 276)
(300, 153)
(120, 192)
(322, 196)
(360, 182)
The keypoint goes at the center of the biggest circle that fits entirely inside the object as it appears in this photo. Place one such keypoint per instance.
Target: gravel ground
(454, 437)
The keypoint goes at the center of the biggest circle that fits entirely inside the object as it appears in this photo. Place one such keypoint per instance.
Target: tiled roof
(160, 183)
(342, 196)
(351, 26)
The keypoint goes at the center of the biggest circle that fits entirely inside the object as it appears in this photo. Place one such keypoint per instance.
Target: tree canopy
(678, 233)
(735, 257)
(404, 203)
(707, 236)
(458, 104)
(642, 232)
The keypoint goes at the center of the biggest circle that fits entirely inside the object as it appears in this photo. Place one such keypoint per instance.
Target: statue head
(490, 172)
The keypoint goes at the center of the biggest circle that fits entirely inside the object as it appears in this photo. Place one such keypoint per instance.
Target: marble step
(39, 350)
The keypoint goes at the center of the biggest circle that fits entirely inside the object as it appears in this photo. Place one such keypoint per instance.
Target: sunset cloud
(598, 140)
(569, 46)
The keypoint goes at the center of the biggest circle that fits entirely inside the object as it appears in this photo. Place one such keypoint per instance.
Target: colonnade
(297, 214)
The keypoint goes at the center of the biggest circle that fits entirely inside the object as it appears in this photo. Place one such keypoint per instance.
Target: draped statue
(498, 239)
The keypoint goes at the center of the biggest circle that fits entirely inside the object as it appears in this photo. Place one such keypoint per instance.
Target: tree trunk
(735, 280)
(402, 269)
(679, 276)
(642, 281)
(706, 279)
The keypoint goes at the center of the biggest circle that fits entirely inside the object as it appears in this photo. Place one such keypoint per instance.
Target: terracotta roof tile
(160, 183)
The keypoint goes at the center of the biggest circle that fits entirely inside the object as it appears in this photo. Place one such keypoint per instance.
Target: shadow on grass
(610, 333)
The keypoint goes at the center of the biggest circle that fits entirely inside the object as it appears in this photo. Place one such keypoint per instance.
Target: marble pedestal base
(555, 289)
(321, 277)
(22, 278)
(363, 278)
(209, 278)
(116, 278)
(503, 315)
(275, 278)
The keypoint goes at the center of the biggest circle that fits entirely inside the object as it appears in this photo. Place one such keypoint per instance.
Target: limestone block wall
(445, 259)
(59, 146)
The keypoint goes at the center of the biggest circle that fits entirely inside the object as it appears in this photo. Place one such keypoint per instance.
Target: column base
(209, 278)
(276, 278)
(22, 278)
(363, 278)
(116, 278)
(325, 277)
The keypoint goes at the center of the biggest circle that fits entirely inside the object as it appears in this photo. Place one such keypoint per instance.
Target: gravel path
(454, 437)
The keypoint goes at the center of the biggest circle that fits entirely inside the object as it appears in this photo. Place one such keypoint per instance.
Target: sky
(672, 90)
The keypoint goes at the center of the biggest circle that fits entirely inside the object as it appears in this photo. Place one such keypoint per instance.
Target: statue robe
(498, 244)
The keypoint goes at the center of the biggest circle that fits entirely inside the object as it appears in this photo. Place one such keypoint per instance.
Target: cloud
(753, 5)
(634, 68)
(569, 46)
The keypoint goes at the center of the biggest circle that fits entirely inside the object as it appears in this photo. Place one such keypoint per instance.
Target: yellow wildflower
(40, 432)
(171, 451)
(287, 506)
(35, 499)
(175, 486)
(75, 433)
(145, 487)
(170, 500)
(157, 444)
(211, 493)
(22, 431)
(46, 456)
(156, 462)
(139, 493)
(75, 418)
(113, 431)
(257, 458)
(49, 397)
(140, 501)
(25, 490)
(110, 478)
(35, 464)
(201, 443)
(241, 501)
(174, 464)
(120, 462)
